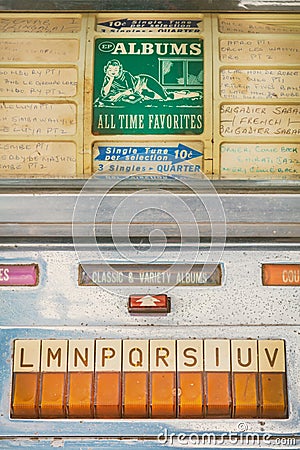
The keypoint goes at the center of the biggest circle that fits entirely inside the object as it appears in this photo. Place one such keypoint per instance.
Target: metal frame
(49, 213)
(150, 5)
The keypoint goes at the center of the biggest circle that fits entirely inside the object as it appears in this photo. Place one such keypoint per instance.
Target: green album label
(148, 86)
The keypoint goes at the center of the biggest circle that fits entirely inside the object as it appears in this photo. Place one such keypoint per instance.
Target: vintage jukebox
(149, 229)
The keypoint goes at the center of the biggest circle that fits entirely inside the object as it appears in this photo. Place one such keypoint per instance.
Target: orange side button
(281, 274)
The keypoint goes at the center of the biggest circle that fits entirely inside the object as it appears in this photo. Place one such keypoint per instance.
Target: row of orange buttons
(111, 378)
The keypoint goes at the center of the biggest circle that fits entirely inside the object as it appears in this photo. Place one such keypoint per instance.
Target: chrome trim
(150, 5)
(261, 215)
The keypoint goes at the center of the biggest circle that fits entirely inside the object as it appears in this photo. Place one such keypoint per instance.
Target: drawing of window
(180, 72)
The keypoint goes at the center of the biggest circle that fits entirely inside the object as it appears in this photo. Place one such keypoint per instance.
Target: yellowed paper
(39, 50)
(37, 158)
(230, 25)
(260, 83)
(40, 25)
(37, 119)
(260, 120)
(260, 51)
(38, 82)
(269, 160)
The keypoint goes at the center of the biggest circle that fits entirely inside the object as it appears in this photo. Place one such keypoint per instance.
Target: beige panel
(54, 357)
(27, 355)
(37, 119)
(162, 355)
(271, 356)
(135, 355)
(261, 25)
(244, 67)
(39, 24)
(260, 83)
(217, 355)
(37, 158)
(39, 50)
(244, 356)
(43, 65)
(260, 50)
(108, 355)
(208, 167)
(260, 120)
(269, 160)
(38, 82)
(81, 355)
(264, 68)
(190, 355)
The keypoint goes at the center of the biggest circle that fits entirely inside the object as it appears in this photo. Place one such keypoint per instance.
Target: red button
(149, 303)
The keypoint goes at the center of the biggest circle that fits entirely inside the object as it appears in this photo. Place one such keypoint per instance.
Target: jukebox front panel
(73, 351)
(124, 346)
(174, 95)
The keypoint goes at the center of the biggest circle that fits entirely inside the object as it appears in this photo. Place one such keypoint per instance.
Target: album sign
(148, 86)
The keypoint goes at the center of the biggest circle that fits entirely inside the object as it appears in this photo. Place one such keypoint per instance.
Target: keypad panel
(114, 378)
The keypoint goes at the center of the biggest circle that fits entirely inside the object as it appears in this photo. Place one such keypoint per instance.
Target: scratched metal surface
(59, 301)
(58, 308)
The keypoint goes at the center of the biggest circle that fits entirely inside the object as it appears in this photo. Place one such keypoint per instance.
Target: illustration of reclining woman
(119, 83)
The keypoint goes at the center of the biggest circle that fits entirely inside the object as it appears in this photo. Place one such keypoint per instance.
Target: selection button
(54, 357)
(163, 378)
(80, 402)
(108, 366)
(135, 378)
(149, 304)
(26, 379)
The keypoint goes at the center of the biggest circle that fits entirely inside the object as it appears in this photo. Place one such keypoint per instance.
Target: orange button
(190, 394)
(53, 395)
(218, 394)
(245, 394)
(163, 394)
(108, 395)
(135, 394)
(273, 395)
(80, 394)
(25, 395)
(281, 274)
